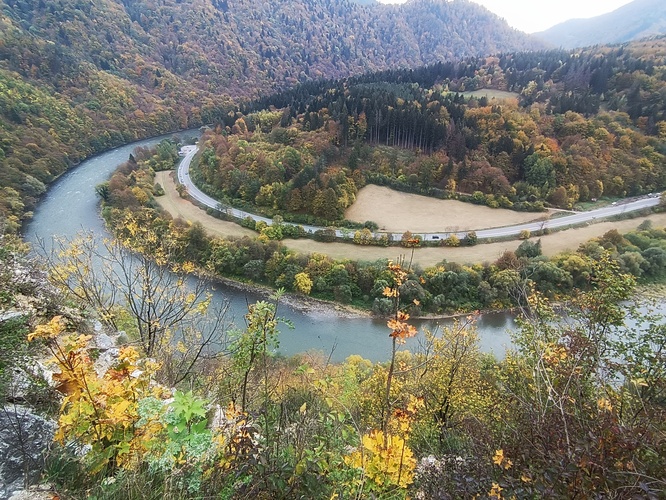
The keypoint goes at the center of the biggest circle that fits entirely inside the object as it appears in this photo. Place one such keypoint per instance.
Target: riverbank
(302, 303)
(653, 291)
(330, 309)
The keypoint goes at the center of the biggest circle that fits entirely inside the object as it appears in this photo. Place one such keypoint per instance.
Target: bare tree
(171, 312)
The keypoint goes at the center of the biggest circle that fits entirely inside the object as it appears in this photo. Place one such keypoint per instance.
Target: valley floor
(551, 244)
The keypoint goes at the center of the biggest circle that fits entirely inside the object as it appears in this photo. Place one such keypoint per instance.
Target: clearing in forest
(491, 94)
(398, 212)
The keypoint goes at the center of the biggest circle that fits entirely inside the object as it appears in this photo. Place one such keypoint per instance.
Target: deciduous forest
(153, 392)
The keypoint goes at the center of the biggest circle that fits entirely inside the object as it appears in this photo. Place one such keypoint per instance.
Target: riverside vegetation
(575, 408)
(442, 289)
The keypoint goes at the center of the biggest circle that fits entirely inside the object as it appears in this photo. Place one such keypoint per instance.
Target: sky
(531, 16)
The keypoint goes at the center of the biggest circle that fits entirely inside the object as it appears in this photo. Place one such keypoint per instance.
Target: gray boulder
(25, 439)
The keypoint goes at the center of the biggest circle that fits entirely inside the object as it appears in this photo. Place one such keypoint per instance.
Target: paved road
(200, 196)
(568, 220)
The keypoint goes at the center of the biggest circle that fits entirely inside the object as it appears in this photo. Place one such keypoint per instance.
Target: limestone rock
(25, 439)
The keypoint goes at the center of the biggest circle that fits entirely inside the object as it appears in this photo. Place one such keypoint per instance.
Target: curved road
(569, 220)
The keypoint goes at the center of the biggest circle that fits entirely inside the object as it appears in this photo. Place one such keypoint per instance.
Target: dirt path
(550, 244)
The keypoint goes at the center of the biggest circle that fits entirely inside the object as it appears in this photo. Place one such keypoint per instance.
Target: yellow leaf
(498, 458)
(495, 491)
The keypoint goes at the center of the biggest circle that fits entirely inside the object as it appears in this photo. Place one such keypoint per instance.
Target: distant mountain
(639, 19)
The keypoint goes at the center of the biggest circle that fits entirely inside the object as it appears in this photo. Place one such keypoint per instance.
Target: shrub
(470, 239)
(363, 237)
(326, 235)
(248, 222)
(452, 241)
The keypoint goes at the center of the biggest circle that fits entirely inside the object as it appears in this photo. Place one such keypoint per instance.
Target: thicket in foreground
(576, 408)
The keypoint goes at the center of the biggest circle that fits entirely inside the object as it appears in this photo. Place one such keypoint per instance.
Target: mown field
(395, 211)
(411, 211)
(492, 94)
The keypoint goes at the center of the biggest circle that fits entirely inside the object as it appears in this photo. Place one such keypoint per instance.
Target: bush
(326, 235)
(248, 222)
(452, 241)
(646, 225)
(293, 231)
(13, 350)
(382, 306)
(273, 232)
(529, 249)
(470, 239)
(363, 237)
(410, 240)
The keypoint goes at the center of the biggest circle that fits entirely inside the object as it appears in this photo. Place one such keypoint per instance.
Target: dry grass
(178, 207)
(398, 212)
(492, 94)
(551, 244)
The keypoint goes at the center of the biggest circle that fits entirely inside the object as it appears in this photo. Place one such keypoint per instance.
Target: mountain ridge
(219, 43)
(636, 20)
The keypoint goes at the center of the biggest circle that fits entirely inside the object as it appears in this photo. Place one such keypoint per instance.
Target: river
(71, 206)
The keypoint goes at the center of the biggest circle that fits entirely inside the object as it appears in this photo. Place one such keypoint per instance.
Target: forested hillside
(578, 126)
(57, 107)
(78, 77)
(224, 44)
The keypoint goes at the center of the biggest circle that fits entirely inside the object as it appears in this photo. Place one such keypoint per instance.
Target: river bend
(71, 206)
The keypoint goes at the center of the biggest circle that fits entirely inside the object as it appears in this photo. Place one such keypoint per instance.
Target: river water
(71, 206)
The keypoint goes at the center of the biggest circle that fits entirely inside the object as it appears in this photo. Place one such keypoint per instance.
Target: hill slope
(78, 77)
(224, 44)
(639, 19)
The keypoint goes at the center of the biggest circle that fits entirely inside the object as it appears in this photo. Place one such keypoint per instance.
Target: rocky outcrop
(25, 440)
